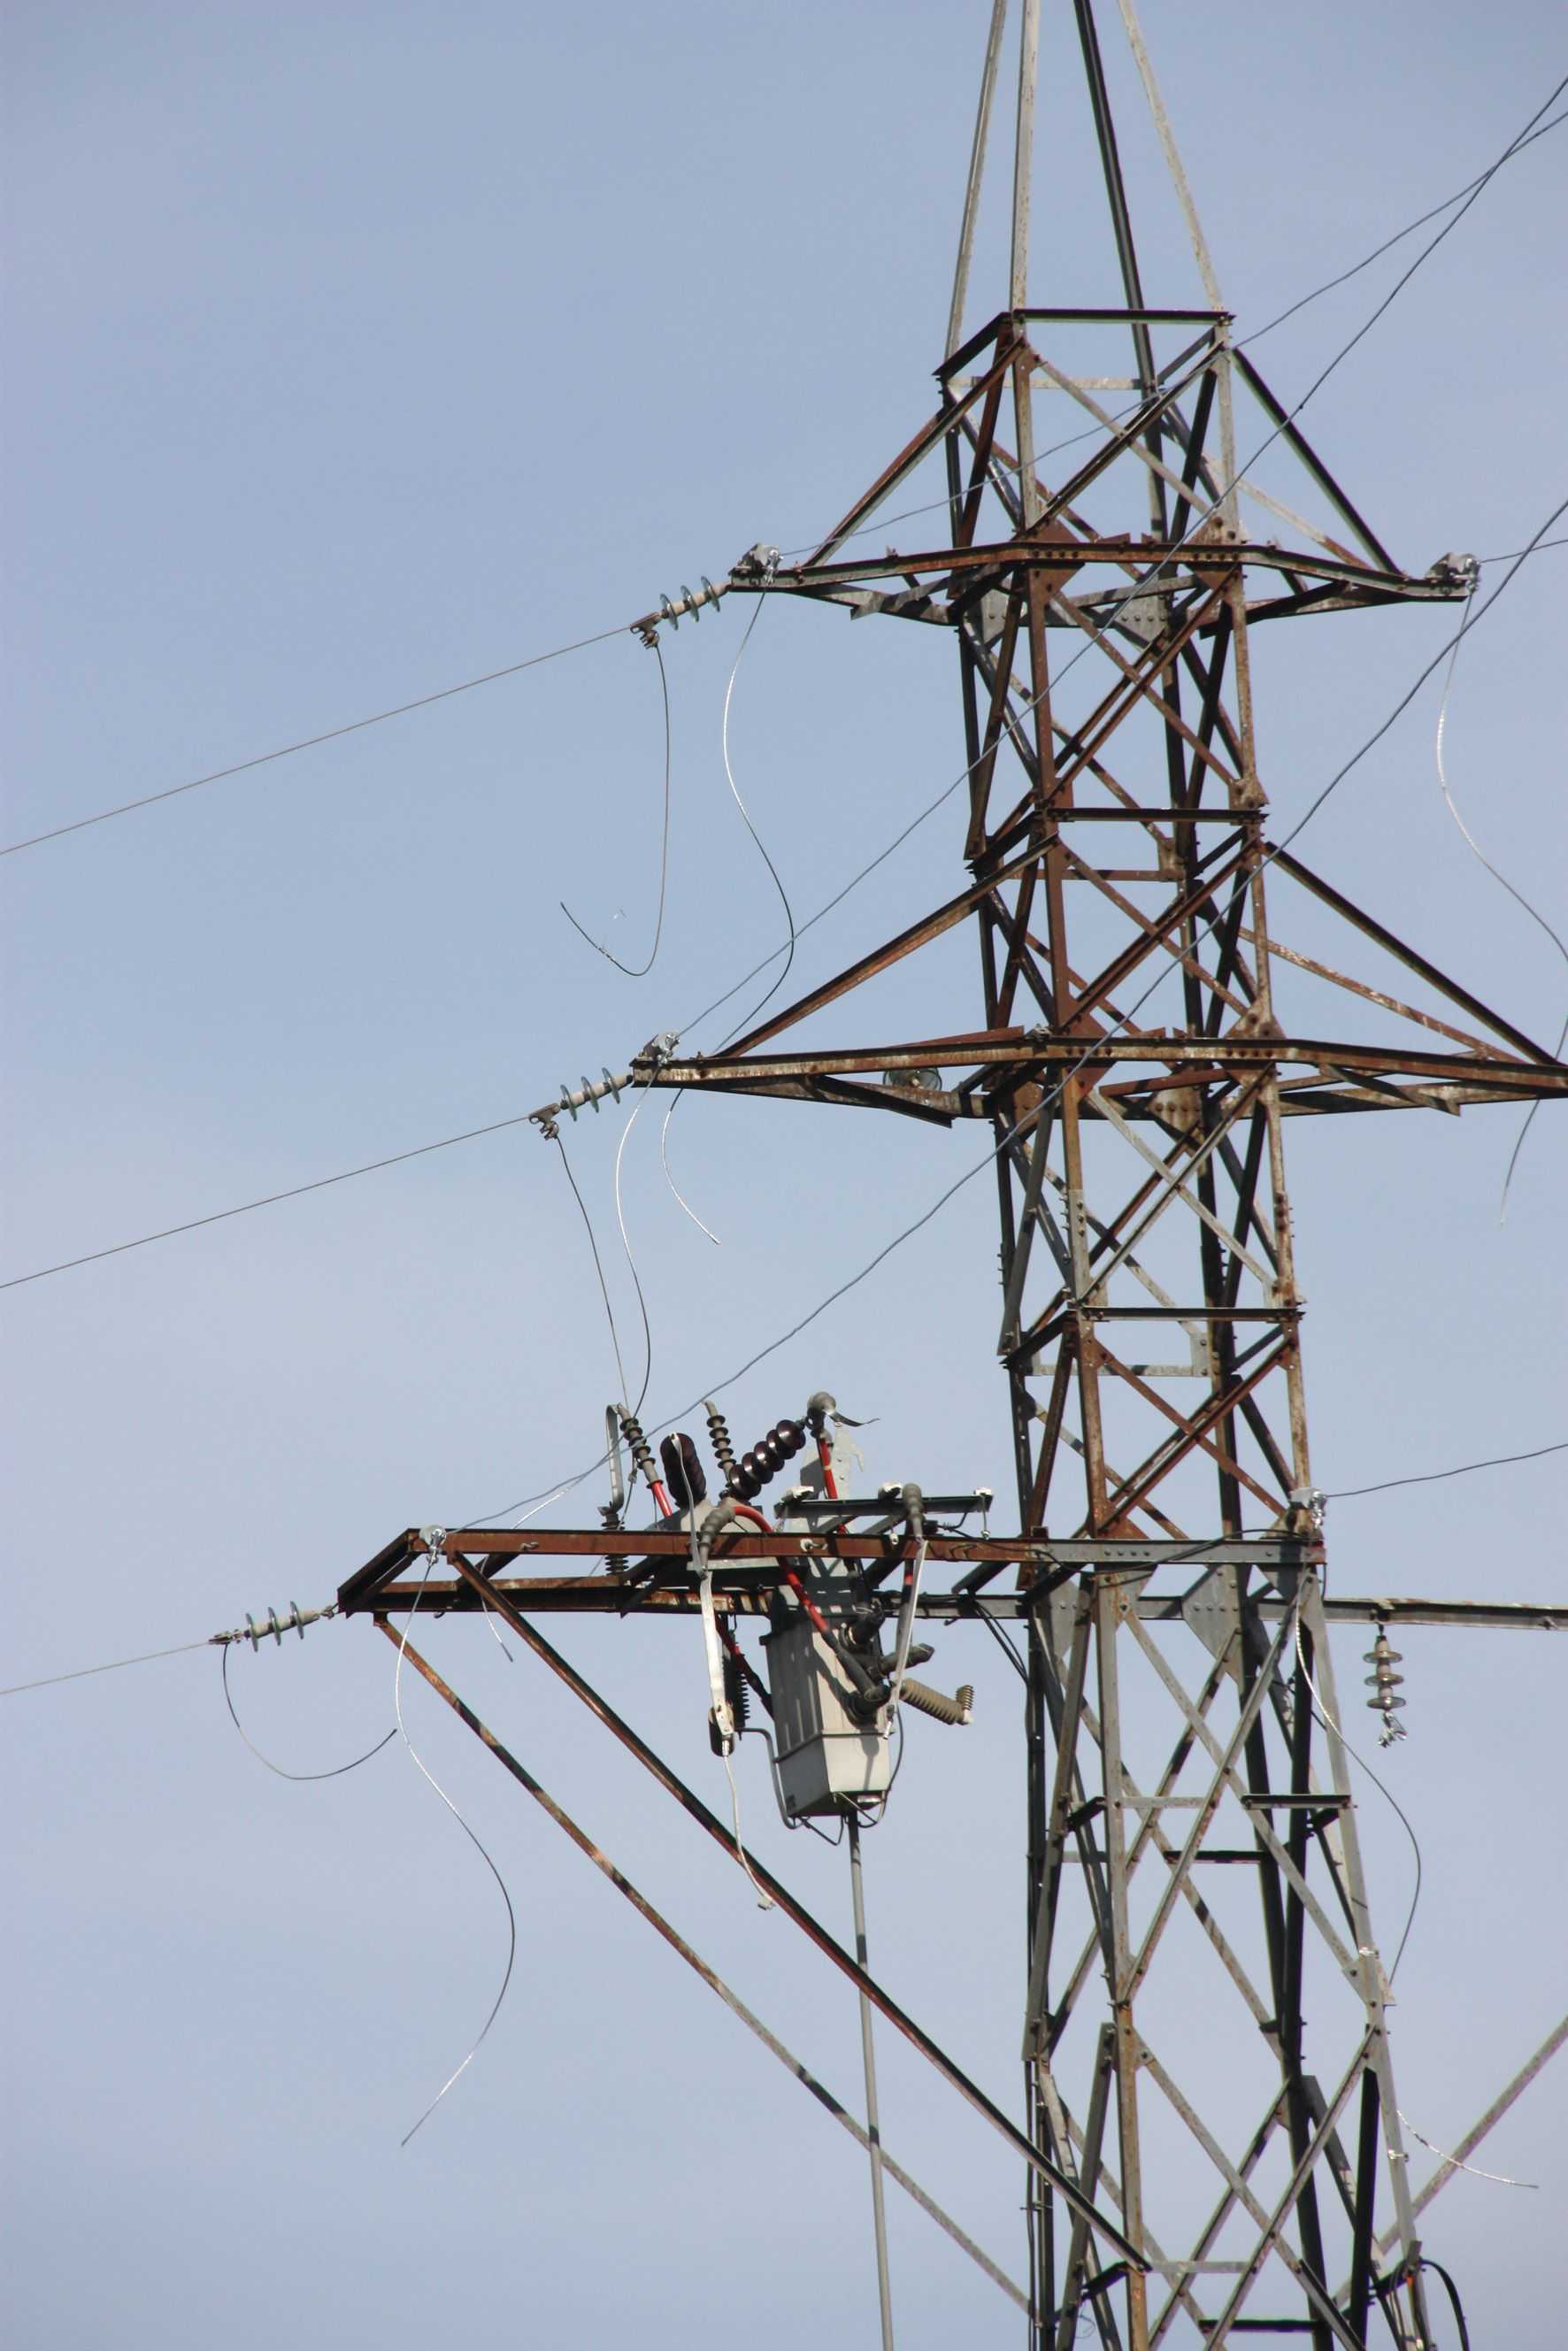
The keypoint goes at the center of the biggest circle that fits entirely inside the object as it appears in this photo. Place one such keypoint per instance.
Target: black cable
(1472, 189)
(1452, 2291)
(337, 1770)
(309, 742)
(640, 970)
(1008, 1647)
(1463, 1469)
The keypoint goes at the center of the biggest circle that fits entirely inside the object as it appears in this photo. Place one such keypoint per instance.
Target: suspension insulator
(788, 1437)
(1383, 1683)
(683, 1470)
(747, 1478)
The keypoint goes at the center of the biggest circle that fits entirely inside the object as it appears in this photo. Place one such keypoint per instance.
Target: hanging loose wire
(1329, 1723)
(788, 952)
(478, 1848)
(337, 1770)
(631, 1260)
(598, 1267)
(1498, 2179)
(640, 970)
(1518, 897)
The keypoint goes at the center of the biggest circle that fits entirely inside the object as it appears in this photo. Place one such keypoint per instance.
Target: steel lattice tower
(1204, 2032)
(1110, 1132)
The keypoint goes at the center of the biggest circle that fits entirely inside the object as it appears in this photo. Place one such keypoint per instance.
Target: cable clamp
(1461, 572)
(656, 1052)
(435, 1541)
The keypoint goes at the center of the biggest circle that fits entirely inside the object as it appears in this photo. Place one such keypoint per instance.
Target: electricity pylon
(1204, 2021)
(1134, 1070)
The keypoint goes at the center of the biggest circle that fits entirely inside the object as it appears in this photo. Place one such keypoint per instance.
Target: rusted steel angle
(1035, 1049)
(1417, 962)
(796, 1912)
(677, 1943)
(1151, 558)
(930, 435)
(917, 935)
(608, 1596)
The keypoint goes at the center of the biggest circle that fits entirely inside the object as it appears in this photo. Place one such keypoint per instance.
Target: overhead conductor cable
(640, 970)
(1479, 854)
(435, 1540)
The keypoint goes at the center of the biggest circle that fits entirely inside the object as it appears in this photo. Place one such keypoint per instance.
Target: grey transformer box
(828, 1754)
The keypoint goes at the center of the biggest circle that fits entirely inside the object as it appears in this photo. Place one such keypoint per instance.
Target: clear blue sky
(351, 352)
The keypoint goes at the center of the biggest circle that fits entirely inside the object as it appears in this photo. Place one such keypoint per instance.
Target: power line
(147, 1658)
(1464, 1469)
(268, 1200)
(444, 694)
(1344, 1494)
(1097, 633)
(321, 1183)
(308, 743)
(640, 970)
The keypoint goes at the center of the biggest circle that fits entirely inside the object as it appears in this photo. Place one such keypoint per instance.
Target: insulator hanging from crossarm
(1384, 1683)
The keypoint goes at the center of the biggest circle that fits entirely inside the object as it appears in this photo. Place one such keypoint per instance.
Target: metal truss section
(1144, 1038)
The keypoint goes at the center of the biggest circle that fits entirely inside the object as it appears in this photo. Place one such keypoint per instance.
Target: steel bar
(868, 2058)
(497, 1599)
(732, 2000)
(976, 172)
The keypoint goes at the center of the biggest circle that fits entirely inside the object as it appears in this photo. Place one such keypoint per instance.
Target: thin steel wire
(1095, 636)
(268, 1200)
(310, 742)
(1329, 1724)
(337, 1768)
(640, 970)
(148, 1657)
(788, 952)
(598, 1267)
(602, 636)
(626, 1245)
(473, 1837)
(1498, 2179)
(1463, 1469)
(1518, 897)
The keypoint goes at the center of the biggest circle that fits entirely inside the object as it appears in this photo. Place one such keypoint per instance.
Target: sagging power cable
(1094, 635)
(337, 1770)
(434, 1550)
(309, 742)
(1536, 916)
(640, 970)
(788, 952)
